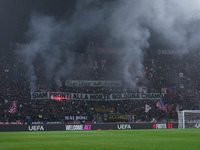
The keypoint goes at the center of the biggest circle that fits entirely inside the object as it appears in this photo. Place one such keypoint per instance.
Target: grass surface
(174, 139)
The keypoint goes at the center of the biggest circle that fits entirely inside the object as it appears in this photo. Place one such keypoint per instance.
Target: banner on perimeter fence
(85, 96)
(81, 127)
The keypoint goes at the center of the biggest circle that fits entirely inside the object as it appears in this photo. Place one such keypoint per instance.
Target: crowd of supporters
(174, 75)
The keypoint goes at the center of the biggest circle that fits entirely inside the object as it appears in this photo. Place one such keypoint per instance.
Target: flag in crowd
(172, 92)
(13, 107)
(147, 108)
(160, 104)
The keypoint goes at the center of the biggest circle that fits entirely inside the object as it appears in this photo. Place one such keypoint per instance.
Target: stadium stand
(177, 76)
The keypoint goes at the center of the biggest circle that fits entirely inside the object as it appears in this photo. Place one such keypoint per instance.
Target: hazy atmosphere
(53, 30)
(115, 65)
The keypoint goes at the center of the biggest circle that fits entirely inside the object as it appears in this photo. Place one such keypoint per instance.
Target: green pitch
(174, 139)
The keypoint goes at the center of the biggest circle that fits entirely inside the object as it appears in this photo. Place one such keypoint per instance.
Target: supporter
(161, 72)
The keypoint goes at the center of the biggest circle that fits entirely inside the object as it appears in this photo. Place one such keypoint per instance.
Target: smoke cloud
(130, 22)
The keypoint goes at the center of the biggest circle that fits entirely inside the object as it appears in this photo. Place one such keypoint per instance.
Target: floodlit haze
(133, 25)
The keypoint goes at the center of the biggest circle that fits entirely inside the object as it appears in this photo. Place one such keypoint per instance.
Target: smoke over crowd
(132, 23)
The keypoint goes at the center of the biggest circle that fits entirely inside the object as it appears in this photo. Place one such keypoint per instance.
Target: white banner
(76, 118)
(92, 83)
(85, 96)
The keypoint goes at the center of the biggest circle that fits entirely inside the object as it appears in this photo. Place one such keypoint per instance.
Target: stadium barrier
(82, 127)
